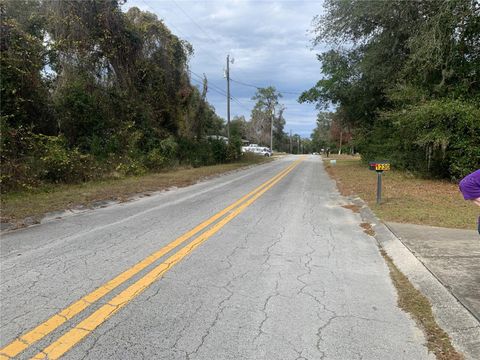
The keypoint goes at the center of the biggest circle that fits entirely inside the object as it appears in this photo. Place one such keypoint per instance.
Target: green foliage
(163, 156)
(408, 84)
(23, 92)
(90, 91)
(266, 107)
(238, 127)
(234, 149)
(131, 166)
(60, 164)
(29, 159)
(80, 114)
(445, 132)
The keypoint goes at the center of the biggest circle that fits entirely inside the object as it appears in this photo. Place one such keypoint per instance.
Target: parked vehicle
(259, 150)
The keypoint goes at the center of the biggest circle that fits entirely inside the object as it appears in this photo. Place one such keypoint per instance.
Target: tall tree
(266, 106)
(24, 89)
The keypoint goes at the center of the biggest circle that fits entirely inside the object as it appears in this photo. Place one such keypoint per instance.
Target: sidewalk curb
(433, 274)
(462, 327)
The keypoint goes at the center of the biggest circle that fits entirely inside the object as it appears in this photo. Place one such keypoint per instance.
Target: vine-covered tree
(405, 77)
(88, 89)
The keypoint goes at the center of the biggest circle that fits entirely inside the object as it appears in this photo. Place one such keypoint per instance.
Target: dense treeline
(405, 79)
(89, 91)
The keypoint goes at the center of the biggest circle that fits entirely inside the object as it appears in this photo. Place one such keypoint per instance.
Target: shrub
(155, 159)
(219, 150)
(437, 138)
(130, 166)
(57, 163)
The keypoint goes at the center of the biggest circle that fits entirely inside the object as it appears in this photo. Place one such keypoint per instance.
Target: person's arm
(476, 201)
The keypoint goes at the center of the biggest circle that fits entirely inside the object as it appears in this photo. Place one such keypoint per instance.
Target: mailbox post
(379, 167)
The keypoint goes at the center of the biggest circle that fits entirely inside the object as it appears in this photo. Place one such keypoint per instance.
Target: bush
(219, 150)
(57, 163)
(234, 149)
(169, 150)
(155, 159)
(29, 159)
(130, 167)
(436, 138)
(194, 153)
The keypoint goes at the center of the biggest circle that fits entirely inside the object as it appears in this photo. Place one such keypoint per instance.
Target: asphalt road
(286, 273)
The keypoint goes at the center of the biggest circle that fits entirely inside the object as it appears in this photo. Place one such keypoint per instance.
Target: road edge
(31, 221)
(452, 316)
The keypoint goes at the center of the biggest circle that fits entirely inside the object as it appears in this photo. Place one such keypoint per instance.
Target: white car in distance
(259, 150)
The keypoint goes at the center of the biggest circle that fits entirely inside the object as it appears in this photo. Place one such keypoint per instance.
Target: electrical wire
(225, 95)
(260, 87)
(193, 21)
(209, 83)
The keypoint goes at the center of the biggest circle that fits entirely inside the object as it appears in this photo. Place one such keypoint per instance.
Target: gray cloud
(269, 40)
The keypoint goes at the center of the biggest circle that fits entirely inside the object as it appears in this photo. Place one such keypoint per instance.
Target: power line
(214, 87)
(225, 95)
(210, 83)
(220, 90)
(198, 26)
(245, 84)
(239, 103)
(193, 21)
(206, 33)
(260, 87)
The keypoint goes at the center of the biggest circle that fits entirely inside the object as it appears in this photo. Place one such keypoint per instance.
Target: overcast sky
(269, 41)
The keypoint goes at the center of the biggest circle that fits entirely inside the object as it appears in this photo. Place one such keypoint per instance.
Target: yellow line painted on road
(63, 344)
(26, 340)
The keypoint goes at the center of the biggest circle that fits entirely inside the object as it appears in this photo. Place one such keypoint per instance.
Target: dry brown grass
(405, 197)
(354, 208)
(18, 206)
(367, 229)
(417, 305)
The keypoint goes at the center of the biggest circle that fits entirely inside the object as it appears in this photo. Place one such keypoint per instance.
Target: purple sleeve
(470, 186)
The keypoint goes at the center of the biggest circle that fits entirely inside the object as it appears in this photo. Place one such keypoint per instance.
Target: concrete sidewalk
(452, 255)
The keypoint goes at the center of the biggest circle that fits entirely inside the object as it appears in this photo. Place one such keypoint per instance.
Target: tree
(24, 91)
(280, 138)
(238, 127)
(391, 67)
(265, 108)
(321, 135)
(88, 89)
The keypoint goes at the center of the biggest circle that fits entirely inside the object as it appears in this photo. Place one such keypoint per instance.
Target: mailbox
(379, 166)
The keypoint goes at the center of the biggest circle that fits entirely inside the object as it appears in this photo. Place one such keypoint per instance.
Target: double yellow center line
(63, 344)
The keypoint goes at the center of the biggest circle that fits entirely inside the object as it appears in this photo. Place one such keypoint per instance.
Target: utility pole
(341, 140)
(228, 98)
(298, 144)
(271, 129)
(291, 148)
